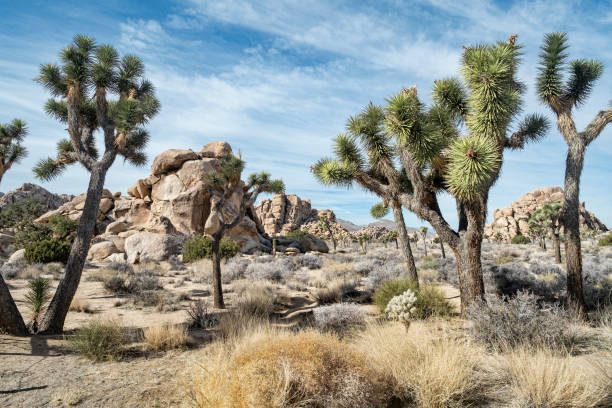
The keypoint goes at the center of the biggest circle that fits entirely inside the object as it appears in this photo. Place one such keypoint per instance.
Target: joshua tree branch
(597, 125)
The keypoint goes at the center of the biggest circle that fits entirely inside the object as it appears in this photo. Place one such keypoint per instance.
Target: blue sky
(279, 79)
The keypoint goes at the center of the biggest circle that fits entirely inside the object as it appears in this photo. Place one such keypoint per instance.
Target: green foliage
(520, 240)
(503, 260)
(99, 340)
(436, 240)
(200, 247)
(37, 296)
(331, 172)
(390, 236)
(28, 232)
(379, 210)
(473, 163)
(62, 226)
(47, 250)
(297, 234)
(430, 300)
(11, 149)
(451, 95)
(25, 210)
(606, 240)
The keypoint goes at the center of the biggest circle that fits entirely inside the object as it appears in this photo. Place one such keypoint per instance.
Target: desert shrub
(367, 266)
(36, 298)
(520, 240)
(28, 232)
(62, 226)
(505, 323)
(335, 291)
(116, 284)
(199, 318)
(430, 301)
(22, 211)
(120, 267)
(338, 317)
(504, 260)
(99, 340)
(200, 247)
(11, 271)
(606, 240)
(234, 269)
(385, 273)
(297, 234)
(80, 305)
(305, 369)
(427, 368)
(165, 337)
(428, 262)
(277, 269)
(134, 283)
(309, 261)
(48, 250)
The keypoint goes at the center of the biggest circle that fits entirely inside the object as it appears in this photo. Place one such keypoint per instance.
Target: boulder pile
(513, 220)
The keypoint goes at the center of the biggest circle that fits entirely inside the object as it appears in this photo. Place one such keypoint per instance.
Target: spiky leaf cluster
(379, 210)
(108, 93)
(11, 149)
(473, 162)
(555, 90)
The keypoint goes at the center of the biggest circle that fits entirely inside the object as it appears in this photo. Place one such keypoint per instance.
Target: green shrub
(62, 226)
(297, 234)
(504, 259)
(47, 250)
(606, 240)
(36, 298)
(430, 300)
(28, 232)
(520, 239)
(99, 340)
(200, 247)
(25, 210)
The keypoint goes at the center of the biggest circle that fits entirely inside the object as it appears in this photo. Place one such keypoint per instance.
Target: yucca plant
(437, 157)
(83, 86)
(221, 185)
(548, 218)
(36, 298)
(366, 156)
(11, 149)
(562, 96)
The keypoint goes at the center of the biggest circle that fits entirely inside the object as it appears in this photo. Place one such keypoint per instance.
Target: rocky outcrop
(376, 232)
(513, 220)
(49, 200)
(163, 209)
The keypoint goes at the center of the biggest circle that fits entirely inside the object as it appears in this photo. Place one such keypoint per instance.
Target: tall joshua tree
(324, 224)
(562, 96)
(548, 217)
(366, 156)
(11, 149)
(222, 187)
(423, 231)
(82, 87)
(436, 157)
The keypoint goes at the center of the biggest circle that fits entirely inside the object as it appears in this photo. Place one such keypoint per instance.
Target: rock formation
(28, 190)
(163, 209)
(513, 220)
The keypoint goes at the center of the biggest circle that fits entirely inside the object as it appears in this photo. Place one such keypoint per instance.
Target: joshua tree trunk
(442, 248)
(216, 264)
(404, 242)
(556, 246)
(53, 321)
(407, 240)
(10, 318)
(425, 244)
(571, 226)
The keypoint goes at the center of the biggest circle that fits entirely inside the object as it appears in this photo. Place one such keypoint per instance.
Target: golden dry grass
(271, 368)
(80, 305)
(166, 337)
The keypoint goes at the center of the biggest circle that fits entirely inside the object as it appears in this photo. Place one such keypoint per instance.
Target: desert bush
(99, 340)
(167, 337)
(36, 298)
(47, 250)
(430, 300)
(199, 318)
(309, 261)
(120, 267)
(62, 227)
(338, 317)
(505, 323)
(385, 273)
(297, 234)
(22, 211)
(504, 260)
(335, 291)
(277, 269)
(116, 284)
(234, 269)
(305, 369)
(28, 232)
(11, 271)
(606, 240)
(520, 240)
(80, 305)
(428, 262)
(427, 369)
(366, 266)
(200, 247)
(133, 283)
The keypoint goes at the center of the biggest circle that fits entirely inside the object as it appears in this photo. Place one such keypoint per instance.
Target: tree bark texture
(216, 264)
(10, 318)
(404, 242)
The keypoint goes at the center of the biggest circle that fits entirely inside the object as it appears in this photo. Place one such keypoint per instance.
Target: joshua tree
(11, 149)
(562, 96)
(391, 236)
(423, 231)
(437, 240)
(363, 240)
(436, 157)
(82, 87)
(537, 230)
(498, 237)
(222, 187)
(366, 156)
(324, 224)
(549, 218)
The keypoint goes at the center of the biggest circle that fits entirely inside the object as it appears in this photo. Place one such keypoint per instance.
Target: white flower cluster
(401, 307)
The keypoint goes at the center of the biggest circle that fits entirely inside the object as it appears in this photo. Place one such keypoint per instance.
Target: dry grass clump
(335, 291)
(428, 370)
(80, 305)
(279, 369)
(540, 379)
(99, 340)
(165, 337)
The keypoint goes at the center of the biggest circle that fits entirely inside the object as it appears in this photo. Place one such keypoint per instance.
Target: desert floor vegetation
(311, 331)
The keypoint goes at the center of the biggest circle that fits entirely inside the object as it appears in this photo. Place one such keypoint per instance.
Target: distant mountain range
(390, 225)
